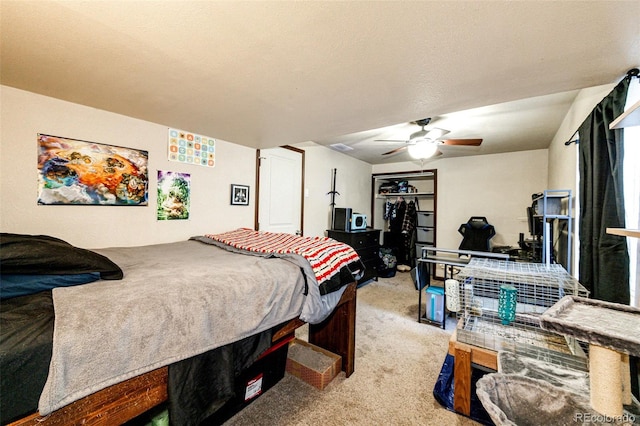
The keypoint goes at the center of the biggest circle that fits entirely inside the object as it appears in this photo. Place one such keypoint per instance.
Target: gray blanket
(176, 300)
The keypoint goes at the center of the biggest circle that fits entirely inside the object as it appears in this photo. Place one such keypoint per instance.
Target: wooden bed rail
(113, 405)
(124, 401)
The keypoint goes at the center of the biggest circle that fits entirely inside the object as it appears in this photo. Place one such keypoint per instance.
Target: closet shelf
(405, 175)
(405, 194)
(624, 232)
(631, 117)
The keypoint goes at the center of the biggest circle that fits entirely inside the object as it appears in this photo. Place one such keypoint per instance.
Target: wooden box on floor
(312, 364)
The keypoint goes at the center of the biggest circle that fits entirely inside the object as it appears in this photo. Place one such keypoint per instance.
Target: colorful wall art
(174, 195)
(185, 147)
(78, 172)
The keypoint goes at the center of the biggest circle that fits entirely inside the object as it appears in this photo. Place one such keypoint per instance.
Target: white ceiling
(265, 73)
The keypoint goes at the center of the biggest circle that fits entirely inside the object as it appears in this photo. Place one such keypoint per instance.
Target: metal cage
(538, 286)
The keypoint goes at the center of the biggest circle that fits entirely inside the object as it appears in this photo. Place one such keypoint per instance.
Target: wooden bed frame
(126, 400)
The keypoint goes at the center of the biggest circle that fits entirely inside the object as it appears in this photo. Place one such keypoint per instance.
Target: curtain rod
(633, 72)
(572, 140)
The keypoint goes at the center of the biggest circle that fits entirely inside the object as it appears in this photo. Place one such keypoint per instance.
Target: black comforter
(42, 254)
(26, 341)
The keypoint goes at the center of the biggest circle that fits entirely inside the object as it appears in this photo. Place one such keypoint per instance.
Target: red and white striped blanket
(325, 255)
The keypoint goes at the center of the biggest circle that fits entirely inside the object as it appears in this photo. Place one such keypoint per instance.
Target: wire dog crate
(537, 287)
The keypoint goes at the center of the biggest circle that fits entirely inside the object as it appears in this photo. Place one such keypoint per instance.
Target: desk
(449, 258)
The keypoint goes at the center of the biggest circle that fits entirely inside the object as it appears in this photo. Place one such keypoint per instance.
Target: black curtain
(604, 260)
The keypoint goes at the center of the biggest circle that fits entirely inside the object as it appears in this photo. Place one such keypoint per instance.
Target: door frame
(257, 196)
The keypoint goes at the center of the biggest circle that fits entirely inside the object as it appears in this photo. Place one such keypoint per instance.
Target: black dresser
(366, 243)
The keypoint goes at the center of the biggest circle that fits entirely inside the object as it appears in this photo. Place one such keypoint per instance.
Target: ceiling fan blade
(462, 142)
(392, 140)
(395, 151)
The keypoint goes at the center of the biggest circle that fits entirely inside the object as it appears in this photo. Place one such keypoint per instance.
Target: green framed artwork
(174, 195)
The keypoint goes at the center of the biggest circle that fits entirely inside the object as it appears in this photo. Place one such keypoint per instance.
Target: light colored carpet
(397, 363)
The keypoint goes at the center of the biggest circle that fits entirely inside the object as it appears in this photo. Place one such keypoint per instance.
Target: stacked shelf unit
(554, 208)
(425, 230)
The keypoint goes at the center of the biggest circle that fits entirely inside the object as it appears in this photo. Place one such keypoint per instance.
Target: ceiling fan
(424, 143)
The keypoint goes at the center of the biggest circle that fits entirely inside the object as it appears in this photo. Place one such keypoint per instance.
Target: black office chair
(476, 234)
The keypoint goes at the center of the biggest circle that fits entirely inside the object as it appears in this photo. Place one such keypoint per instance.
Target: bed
(109, 353)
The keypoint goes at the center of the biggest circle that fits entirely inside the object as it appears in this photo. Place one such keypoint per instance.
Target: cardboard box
(312, 364)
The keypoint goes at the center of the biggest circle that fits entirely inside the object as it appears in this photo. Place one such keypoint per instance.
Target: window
(632, 192)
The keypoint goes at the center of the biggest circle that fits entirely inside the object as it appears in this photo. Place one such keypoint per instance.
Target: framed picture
(72, 171)
(174, 195)
(239, 195)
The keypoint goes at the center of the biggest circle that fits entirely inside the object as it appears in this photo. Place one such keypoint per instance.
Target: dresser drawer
(357, 239)
(369, 253)
(364, 239)
(366, 244)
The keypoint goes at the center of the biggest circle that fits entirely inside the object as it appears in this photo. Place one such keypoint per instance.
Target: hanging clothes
(410, 218)
(402, 217)
(408, 232)
(397, 218)
(390, 211)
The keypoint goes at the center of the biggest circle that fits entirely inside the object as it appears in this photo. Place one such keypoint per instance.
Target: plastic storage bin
(424, 235)
(435, 304)
(425, 218)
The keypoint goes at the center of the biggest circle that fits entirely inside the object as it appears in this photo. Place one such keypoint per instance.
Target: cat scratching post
(626, 380)
(610, 330)
(605, 380)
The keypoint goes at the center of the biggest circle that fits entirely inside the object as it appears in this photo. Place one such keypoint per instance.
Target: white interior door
(280, 190)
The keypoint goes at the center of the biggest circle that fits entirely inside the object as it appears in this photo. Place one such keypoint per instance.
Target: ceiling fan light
(422, 150)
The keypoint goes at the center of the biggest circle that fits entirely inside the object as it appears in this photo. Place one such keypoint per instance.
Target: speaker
(342, 219)
(358, 221)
